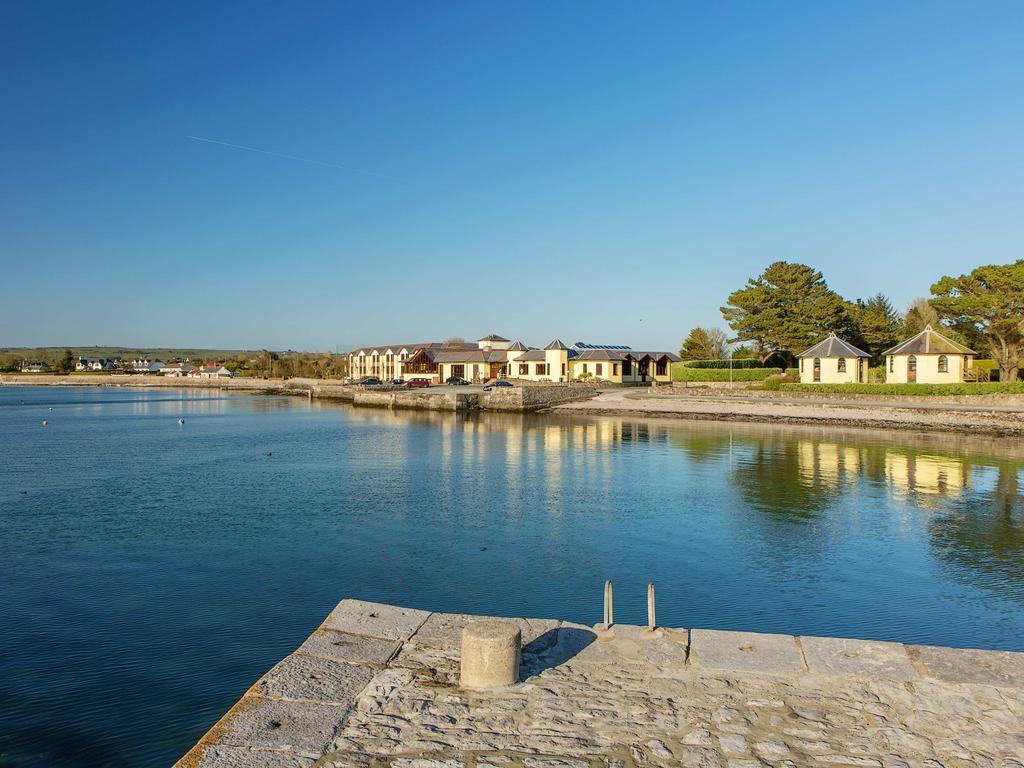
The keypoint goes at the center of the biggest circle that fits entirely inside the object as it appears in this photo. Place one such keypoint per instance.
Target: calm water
(150, 572)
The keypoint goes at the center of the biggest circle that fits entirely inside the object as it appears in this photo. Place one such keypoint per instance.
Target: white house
(833, 361)
(928, 358)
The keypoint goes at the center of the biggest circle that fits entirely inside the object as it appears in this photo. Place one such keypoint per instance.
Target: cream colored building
(494, 357)
(833, 361)
(927, 358)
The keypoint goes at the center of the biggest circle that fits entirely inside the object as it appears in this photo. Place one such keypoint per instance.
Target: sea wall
(422, 400)
(534, 398)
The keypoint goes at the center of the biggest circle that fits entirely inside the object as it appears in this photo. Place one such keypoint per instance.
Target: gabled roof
(493, 337)
(533, 354)
(638, 355)
(517, 346)
(556, 344)
(929, 342)
(470, 356)
(383, 348)
(833, 346)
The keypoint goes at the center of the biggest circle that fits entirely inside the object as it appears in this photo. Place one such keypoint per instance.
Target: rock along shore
(378, 686)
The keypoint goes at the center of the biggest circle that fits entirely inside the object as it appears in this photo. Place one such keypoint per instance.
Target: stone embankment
(378, 686)
(1001, 415)
(516, 399)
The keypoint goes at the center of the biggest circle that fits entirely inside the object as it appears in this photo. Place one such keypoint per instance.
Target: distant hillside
(127, 352)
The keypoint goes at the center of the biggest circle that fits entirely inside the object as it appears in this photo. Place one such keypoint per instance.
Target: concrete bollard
(490, 654)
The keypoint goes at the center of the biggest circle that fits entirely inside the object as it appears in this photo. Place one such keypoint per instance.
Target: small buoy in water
(181, 421)
(51, 409)
(269, 453)
(45, 423)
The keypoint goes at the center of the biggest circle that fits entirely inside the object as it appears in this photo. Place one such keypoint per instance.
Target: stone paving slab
(745, 651)
(244, 757)
(390, 622)
(343, 646)
(444, 630)
(861, 658)
(965, 665)
(620, 698)
(300, 727)
(309, 678)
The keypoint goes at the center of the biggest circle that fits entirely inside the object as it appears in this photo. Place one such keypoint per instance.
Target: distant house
(833, 361)
(154, 367)
(216, 372)
(927, 358)
(180, 369)
(34, 366)
(97, 364)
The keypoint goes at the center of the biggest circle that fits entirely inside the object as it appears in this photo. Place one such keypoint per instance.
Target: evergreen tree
(989, 302)
(787, 308)
(876, 325)
(704, 344)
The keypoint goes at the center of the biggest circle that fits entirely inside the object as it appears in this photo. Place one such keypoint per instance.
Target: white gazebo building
(928, 358)
(833, 361)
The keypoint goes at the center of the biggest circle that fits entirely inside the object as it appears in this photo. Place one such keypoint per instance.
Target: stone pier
(378, 686)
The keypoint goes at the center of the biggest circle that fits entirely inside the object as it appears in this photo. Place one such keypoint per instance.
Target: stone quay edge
(377, 686)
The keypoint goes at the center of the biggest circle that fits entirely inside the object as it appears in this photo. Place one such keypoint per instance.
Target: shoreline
(997, 417)
(1005, 419)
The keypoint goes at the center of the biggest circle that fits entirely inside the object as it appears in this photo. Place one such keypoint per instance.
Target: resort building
(833, 361)
(494, 357)
(927, 358)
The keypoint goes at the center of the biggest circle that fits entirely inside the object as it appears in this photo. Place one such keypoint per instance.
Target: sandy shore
(1003, 418)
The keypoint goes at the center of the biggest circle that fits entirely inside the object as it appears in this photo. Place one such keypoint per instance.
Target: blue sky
(597, 171)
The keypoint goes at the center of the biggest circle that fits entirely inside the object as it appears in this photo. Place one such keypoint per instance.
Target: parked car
(456, 380)
(417, 383)
(370, 382)
(498, 383)
(396, 382)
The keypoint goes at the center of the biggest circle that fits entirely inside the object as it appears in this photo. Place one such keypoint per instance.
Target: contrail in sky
(316, 162)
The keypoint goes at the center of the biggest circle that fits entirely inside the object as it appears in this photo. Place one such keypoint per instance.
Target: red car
(417, 383)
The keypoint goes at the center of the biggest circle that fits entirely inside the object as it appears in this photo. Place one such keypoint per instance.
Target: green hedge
(967, 388)
(682, 373)
(741, 363)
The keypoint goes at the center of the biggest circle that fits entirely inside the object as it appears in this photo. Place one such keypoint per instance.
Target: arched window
(817, 369)
(892, 363)
(912, 363)
(842, 365)
(943, 364)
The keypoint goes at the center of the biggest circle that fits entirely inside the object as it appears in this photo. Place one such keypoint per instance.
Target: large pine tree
(786, 308)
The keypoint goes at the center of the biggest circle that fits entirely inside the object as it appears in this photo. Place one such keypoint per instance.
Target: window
(943, 364)
(912, 363)
(563, 369)
(615, 369)
(842, 365)
(801, 365)
(584, 367)
(541, 369)
(524, 369)
(599, 368)
(891, 363)
(661, 368)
